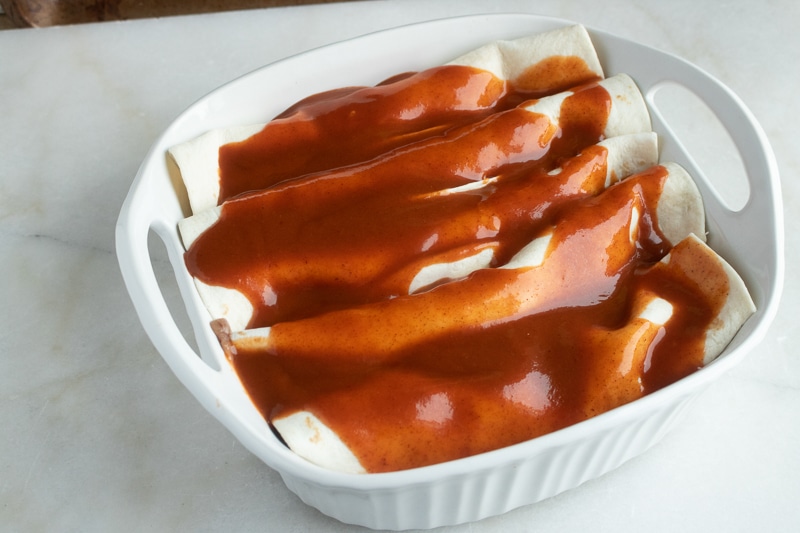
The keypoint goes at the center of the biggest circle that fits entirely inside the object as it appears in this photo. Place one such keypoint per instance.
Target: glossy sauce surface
(331, 239)
(474, 364)
(501, 356)
(349, 125)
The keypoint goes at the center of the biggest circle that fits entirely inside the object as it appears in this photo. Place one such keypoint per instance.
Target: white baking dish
(751, 239)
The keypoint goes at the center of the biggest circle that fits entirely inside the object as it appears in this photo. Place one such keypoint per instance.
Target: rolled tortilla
(407, 171)
(547, 279)
(617, 375)
(514, 206)
(626, 155)
(527, 63)
(616, 378)
(628, 114)
(309, 437)
(710, 273)
(524, 61)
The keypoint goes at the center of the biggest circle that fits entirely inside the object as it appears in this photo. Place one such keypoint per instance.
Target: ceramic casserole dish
(749, 238)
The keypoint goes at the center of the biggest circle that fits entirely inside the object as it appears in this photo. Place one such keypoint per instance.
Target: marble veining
(98, 435)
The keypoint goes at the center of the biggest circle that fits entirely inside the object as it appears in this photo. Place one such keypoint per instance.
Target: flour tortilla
(627, 154)
(738, 305)
(197, 159)
(307, 436)
(310, 438)
(198, 162)
(679, 219)
(509, 60)
(541, 294)
(620, 372)
(628, 113)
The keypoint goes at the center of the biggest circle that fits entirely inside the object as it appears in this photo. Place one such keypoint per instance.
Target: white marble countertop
(96, 434)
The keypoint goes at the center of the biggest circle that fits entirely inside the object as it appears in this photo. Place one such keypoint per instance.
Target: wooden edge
(43, 13)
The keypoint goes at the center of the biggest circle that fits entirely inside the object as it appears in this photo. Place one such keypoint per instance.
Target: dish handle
(731, 230)
(139, 217)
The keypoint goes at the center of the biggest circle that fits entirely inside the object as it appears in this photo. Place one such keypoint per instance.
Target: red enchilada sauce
(355, 124)
(504, 355)
(472, 365)
(291, 249)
